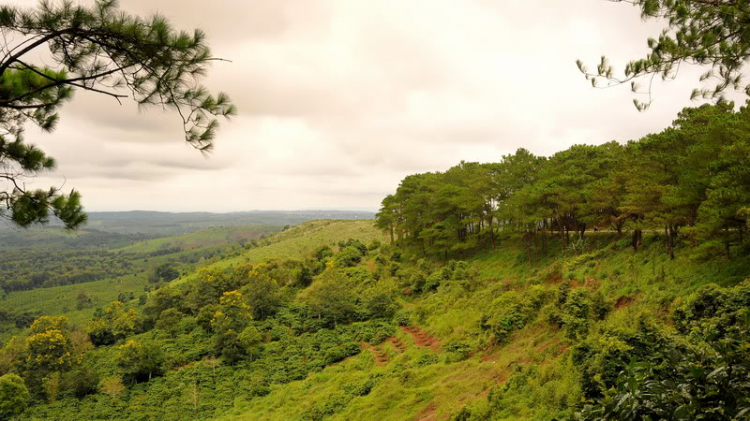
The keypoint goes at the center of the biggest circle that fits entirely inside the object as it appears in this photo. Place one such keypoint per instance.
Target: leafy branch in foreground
(102, 50)
(712, 33)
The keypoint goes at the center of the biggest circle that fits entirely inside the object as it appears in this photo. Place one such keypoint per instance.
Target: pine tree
(99, 49)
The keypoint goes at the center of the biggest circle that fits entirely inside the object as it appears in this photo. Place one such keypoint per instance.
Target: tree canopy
(100, 49)
(689, 178)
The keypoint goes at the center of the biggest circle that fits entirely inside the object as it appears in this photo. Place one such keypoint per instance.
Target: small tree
(14, 396)
(331, 298)
(140, 361)
(169, 321)
(83, 301)
(112, 386)
(164, 273)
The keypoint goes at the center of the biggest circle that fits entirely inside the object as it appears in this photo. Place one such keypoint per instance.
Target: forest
(689, 182)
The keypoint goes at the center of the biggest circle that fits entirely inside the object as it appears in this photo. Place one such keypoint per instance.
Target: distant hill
(160, 224)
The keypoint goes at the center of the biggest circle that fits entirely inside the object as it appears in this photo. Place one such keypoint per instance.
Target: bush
(457, 351)
(705, 382)
(13, 395)
(713, 311)
(348, 257)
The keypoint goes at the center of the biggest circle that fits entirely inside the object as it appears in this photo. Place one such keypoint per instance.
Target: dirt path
(398, 344)
(381, 357)
(422, 338)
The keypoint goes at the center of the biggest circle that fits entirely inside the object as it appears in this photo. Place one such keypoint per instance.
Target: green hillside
(484, 292)
(491, 337)
(301, 241)
(446, 362)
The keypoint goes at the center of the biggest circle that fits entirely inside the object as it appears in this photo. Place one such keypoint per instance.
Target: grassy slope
(301, 240)
(293, 243)
(63, 299)
(408, 388)
(423, 383)
(204, 238)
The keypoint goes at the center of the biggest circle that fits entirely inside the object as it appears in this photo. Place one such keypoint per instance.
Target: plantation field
(301, 241)
(62, 300)
(415, 380)
(204, 238)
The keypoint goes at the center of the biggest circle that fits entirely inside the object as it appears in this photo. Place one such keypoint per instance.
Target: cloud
(339, 100)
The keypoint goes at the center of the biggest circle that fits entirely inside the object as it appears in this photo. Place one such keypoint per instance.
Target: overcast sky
(340, 99)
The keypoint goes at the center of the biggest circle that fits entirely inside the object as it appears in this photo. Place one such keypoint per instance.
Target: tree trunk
(492, 232)
(672, 235)
(637, 237)
(528, 246)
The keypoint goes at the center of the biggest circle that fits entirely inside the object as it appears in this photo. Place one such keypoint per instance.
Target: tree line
(690, 182)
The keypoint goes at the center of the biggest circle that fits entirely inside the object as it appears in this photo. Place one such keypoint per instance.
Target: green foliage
(602, 357)
(115, 322)
(164, 273)
(331, 299)
(348, 257)
(704, 33)
(263, 295)
(101, 49)
(169, 321)
(714, 311)
(140, 361)
(13, 395)
(511, 311)
(682, 384)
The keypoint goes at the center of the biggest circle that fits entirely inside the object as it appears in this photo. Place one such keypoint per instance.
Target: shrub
(713, 311)
(348, 257)
(13, 395)
(704, 382)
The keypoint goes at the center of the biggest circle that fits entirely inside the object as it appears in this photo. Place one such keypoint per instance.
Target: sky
(339, 100)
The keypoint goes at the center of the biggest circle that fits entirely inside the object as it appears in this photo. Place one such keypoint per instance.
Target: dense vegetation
(690, 181)
(602, 282)
(351, 327)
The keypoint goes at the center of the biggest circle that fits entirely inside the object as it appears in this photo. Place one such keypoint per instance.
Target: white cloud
(339, 100)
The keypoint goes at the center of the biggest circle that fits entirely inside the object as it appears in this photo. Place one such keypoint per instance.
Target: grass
(301, 241)
(204, 238)
(537, 356)
(62, 300)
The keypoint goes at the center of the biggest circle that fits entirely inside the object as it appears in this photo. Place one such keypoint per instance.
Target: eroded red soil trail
(397, 343)
(422, 338)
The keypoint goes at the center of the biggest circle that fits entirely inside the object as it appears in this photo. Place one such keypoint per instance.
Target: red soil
(397, 343)
(422, 338)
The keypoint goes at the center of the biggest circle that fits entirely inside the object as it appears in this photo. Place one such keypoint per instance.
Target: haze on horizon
(339, 101)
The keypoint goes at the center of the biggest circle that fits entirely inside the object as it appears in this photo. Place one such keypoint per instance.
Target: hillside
(164, 224)
(494, 336)
(444, 362)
